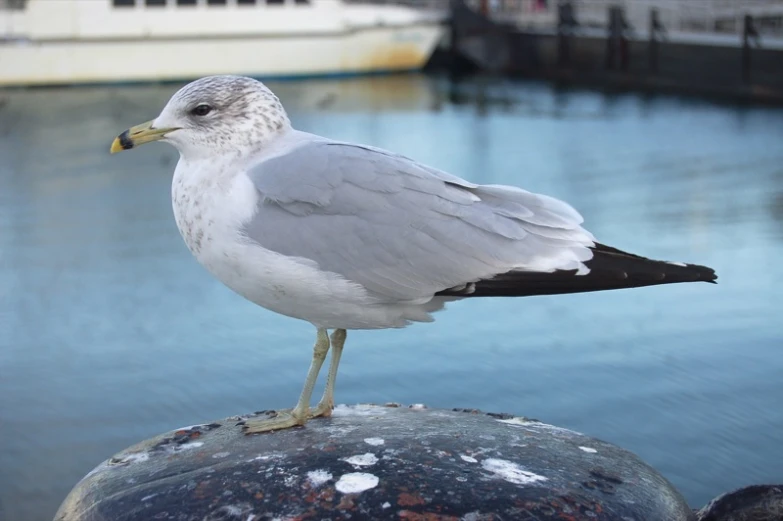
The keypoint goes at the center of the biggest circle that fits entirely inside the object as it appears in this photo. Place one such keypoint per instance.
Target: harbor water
(110, 332)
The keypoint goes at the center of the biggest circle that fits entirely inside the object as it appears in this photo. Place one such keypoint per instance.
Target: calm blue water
(110, 332)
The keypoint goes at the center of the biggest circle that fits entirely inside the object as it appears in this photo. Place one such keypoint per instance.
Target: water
(110, 332)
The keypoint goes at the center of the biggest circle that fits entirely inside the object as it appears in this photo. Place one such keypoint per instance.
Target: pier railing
(713, 16)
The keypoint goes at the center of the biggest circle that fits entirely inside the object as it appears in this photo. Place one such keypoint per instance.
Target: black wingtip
(610, 269)
(702, 273)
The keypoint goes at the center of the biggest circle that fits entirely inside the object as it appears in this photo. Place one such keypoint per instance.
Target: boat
(53, 42)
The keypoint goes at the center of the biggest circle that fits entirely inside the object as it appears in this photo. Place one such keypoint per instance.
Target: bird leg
(325, 406)
(300, 414)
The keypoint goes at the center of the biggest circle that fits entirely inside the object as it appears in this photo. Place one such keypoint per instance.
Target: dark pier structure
(741, 67)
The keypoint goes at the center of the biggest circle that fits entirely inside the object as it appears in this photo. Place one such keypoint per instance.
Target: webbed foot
(284, 419)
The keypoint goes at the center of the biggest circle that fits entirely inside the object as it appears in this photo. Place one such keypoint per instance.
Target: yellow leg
(325, 406)
(300, 414)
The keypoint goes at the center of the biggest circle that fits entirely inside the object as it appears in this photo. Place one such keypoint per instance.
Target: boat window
(216, 2)
(155, 3)
(186, 2)
(246, 2)
(302, 1)
(123, 3)
(275, 2)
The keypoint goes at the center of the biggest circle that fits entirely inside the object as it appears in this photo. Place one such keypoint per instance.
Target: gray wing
(402, 230)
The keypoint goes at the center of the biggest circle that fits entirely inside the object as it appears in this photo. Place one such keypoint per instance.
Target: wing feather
(401, 229)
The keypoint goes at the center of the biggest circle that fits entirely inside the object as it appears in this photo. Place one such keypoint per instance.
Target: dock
(633, 45)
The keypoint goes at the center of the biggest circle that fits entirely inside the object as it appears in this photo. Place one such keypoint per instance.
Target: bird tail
(610, 268)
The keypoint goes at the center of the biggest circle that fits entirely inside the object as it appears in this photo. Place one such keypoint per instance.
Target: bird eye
(201, 110)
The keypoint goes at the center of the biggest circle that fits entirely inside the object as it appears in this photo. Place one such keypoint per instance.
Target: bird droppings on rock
(318, 477)
(431, 464)
(356, 482)
(134, 457)
(200, 427)
(362, 460)
(191, 445)
(230, 512)
(266, 457)
(515, 420)
(589, 450)
(359, 410)
(339, 432)
(511, 472)
(528, 423)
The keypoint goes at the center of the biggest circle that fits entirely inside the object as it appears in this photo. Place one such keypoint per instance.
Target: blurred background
(660, 121)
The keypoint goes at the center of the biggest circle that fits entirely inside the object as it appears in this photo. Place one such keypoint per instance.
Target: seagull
(350, 236)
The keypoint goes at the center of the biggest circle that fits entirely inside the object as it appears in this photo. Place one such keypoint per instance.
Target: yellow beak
(138, 135)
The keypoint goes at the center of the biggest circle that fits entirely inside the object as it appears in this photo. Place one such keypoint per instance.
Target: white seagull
(349, 236)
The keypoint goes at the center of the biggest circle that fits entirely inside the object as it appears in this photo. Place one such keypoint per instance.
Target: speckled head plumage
(234, 114)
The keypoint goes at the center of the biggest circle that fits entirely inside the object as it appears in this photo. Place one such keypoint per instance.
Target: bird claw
(281, 420)
(322, 410)
(286, 419)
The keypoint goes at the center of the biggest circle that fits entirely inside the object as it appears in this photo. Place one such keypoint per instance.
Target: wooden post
(611, 37)
(616, 40)
(622, 39)
(566, 21)
(748, 32)
(656, 29)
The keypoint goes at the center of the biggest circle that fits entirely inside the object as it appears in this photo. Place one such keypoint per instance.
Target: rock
(753, 503)
(376, 462)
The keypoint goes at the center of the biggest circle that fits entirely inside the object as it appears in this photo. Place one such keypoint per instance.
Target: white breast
(211, 211)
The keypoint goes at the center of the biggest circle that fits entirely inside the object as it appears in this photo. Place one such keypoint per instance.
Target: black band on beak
(125, 141)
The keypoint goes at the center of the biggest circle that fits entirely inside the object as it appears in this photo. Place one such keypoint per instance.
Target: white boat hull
(355, 51)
